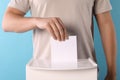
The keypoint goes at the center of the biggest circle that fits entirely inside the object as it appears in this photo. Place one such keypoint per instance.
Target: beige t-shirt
(77, 16)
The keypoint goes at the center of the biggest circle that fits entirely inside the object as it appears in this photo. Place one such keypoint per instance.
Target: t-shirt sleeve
(22, 5)
(102, 6)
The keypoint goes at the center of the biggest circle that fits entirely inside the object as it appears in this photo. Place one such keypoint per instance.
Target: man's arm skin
(107, 31)
(14, 21)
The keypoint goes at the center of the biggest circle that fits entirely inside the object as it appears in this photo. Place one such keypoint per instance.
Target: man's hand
(110, 76)
(54, 26)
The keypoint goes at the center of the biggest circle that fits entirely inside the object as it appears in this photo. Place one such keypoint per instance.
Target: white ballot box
(86, 70)
(64, 64)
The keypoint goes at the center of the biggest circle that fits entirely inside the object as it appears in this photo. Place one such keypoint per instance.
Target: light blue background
(16, 49)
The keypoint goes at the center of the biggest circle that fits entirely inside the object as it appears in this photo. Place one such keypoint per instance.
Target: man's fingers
(66, 34)
(56, 31)
(50, 30)
(61, 30)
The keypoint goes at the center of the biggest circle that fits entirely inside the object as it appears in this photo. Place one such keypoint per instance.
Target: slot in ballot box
(64, 64)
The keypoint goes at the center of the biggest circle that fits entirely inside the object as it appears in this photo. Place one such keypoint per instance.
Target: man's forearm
(16, 23)
(107, 32)
(109, 44)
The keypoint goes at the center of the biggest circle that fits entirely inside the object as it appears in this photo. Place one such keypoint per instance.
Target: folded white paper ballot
(64, 53)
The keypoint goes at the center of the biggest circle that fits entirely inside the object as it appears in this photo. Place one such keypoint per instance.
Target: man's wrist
(112, 71)
(34, 22)
(38, 22)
